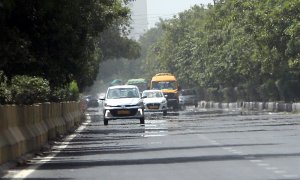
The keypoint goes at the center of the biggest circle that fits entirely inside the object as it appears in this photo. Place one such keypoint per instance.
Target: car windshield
(141, 86)
(117, 93)
(153, 94)
(170, 85)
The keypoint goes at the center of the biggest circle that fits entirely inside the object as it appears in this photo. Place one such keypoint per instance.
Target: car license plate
(153, 107)
(123, 112)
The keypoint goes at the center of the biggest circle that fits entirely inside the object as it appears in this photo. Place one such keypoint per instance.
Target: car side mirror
(166, 95)
(143, 97)
(102, 98)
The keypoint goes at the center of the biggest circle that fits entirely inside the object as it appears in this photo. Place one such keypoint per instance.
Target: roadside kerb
(253, 106)
(25, 129)
(296, 107)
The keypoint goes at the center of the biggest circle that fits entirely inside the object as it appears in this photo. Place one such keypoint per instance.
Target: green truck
(116, 82)
(142, 84)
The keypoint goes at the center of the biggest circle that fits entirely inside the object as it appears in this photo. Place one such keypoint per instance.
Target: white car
(123, 102)
(155, 101)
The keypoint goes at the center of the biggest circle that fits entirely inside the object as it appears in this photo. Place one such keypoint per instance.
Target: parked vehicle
(123, 102)
(155, 101)
(169, 86)
(188, 97)
(92, 101)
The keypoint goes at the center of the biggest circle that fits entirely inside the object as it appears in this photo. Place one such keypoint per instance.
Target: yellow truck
(167, 83)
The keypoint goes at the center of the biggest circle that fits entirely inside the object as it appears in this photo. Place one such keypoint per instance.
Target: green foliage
(5, 95)
(240, 93)
(252, 46)
(66, 93)
(29, 90)
(73, 91)
(268, 91)
(229, 94)
(214, 94)
(59, 94)
(149, 63)
(62, 40)
(288, 88)
(115, 46)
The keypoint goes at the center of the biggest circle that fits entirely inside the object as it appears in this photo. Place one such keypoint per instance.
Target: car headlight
(107, 105)
(140, 104)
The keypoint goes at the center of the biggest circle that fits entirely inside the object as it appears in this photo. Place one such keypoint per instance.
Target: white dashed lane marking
(291, 176)
(280, 172)
(254, 160)
(271, 168)
(263, 164)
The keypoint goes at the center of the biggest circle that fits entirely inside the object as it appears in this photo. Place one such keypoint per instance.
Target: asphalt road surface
(192, 144)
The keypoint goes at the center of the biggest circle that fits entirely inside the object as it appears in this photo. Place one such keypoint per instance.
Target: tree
(247, 46)
(59, 40)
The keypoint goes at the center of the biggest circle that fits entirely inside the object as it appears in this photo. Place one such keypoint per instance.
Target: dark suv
(188, 97)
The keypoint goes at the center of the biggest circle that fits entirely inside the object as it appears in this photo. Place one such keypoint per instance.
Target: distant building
(139, 18)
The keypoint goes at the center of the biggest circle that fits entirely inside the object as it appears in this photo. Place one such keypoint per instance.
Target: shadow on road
(77, 164)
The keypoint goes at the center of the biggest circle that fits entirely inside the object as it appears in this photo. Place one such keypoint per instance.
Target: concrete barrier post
(289, 107)
(296, 107)
(246, 105)
(30, 129)
(224, 105)
(59, 117)
(4, 144)
(14, 134)
(40, 124)
(48, 120)
(55, 118)
(271, 106)
(77, 113)
(67, 115)
(27, 128)
(261, 106)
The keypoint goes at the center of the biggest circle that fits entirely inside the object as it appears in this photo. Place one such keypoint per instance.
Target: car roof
(136, 81)
(122, 86)
(152, 90)
(191, 89)
(163, 77)
(188, 91)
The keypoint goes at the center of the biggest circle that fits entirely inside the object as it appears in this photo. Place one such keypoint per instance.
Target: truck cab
(142, 84)
(167, 83)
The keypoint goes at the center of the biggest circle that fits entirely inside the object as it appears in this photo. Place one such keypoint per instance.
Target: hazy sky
(168, 8)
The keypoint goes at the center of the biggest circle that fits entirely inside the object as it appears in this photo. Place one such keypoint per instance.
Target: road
(192, 144)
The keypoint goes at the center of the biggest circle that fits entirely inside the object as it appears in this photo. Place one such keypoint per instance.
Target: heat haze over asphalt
(190, 144)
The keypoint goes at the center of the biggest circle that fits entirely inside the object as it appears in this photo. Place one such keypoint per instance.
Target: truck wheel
(105, 122)
(165, 112)
(142, 120)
